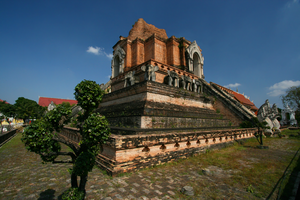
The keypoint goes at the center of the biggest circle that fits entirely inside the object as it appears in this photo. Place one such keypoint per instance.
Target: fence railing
(7, 136)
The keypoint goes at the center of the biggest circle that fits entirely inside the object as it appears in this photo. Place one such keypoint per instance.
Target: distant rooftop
(5, 101)
(45, 101)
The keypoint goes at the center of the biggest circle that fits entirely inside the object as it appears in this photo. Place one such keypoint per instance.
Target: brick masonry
(133, 152)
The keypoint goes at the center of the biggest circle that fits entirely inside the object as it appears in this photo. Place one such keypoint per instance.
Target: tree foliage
(7, 109)
(42, 136)
(28, 109)
(292, 98)
(254, 123)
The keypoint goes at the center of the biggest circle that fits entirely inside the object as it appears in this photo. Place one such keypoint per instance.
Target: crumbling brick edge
(122, 154)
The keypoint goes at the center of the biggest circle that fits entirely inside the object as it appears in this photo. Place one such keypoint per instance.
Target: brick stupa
(160, 107)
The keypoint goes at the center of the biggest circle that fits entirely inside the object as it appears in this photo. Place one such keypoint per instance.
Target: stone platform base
(125, 153)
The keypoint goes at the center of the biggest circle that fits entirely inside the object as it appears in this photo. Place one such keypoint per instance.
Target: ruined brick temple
(160, 107)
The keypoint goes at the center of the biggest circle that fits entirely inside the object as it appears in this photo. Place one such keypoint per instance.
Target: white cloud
(99, 51)
(94, 50)
(279, 88)
(291, 3)
(232, 85)
(109, 55)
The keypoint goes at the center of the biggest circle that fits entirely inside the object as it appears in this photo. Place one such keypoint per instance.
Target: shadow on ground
(47, 194)
(287, 191)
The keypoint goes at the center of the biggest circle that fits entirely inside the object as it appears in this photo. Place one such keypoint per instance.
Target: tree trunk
(74, 183)
(83, 180)
(260, 136)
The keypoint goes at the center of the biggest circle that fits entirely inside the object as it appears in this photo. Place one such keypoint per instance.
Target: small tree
(41, 137)
(254, 123)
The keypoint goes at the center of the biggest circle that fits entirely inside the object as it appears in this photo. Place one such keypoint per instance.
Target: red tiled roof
(5, 101)
(243, 100)
(240, 97)
(45, 101)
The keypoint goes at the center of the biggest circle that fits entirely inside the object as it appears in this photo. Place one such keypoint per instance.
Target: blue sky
(47, 47)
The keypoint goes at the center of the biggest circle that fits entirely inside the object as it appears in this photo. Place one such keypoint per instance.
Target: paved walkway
(23, 176)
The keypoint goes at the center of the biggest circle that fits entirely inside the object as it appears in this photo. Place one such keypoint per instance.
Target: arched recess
(196, 64)
(116, 66)
(194, 59)
(117, 62)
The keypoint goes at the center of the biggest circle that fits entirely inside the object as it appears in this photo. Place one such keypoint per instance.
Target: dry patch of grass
(242, 169)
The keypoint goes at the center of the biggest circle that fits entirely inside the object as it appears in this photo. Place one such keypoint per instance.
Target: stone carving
(197, 86)
(130, 79)
(269, 115)
(106, 85)
(150, 72)
(172, 79)
(51, 106)
(75, 110)
(186, 82)
(292, 121)
(117, 62)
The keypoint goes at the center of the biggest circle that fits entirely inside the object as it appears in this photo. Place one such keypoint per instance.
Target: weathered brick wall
(143, 30)
(165, 106)
(128, 58)
(160, 51)
(167, 52)
(159, 92)
(134, 53)
(133, 152)
(149, 49)
(227, 113)
(173, 52)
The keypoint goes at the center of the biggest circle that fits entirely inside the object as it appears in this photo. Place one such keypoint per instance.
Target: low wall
(125, 153)
(6, 136)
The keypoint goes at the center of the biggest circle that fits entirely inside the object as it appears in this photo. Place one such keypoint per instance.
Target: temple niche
(117, 62)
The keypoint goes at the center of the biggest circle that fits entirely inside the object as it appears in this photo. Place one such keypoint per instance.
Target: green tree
(41, 136)
(292, 98)
(7, 109)
(254, 123)
(28, 109)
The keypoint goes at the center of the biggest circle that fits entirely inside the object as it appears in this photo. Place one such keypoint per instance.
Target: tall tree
(292, 98)
(28, 109)
(7, 109)
(41, 137)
